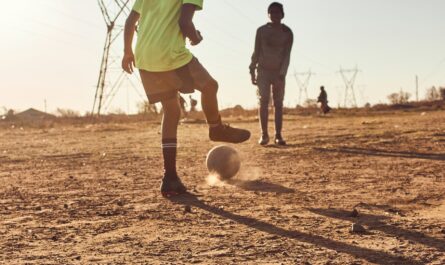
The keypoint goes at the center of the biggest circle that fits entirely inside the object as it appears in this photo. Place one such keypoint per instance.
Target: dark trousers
(267, 82)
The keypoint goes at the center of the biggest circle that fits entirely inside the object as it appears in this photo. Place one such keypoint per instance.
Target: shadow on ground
(378, 223)
(374, 256)
(384, 153)
(260, 186)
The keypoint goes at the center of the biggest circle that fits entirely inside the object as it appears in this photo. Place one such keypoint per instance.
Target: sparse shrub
(6, 113)
(145, 107)
(117, 111)
(442, 92)
(432, 94)
(399, 98)
(393, 98)
(238, 108)
(67, 113)
(10, 113)
(310, 103)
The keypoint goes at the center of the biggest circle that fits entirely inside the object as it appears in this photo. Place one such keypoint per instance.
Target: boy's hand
(254, 79)
(128, 62)
(198, 39)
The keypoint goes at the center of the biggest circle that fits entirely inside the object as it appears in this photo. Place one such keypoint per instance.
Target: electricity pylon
(303, 85)
(114, 13)
(350, 99)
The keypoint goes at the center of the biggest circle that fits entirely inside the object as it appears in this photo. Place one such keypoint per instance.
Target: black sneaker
(172, 186)
(264, 140)
(225, 133)
(279, 140)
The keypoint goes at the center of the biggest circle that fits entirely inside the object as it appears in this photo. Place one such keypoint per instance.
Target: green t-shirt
(160, 45)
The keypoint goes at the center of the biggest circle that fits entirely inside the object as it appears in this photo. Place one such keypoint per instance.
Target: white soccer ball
(223, 161)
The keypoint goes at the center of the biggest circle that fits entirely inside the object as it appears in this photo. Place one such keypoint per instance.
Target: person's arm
(286, 60)
(186, 24)
(128, 62)
(255, 57)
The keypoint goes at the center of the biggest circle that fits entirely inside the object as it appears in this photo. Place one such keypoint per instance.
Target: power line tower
(111, 76)
(350, 99)
(303, 84)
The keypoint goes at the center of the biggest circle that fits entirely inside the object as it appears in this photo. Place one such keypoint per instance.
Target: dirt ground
(89, 194)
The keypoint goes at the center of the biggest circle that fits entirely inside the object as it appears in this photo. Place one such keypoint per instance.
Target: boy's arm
(186, 24)
(286, 60)
(128, 62)
(255, 56)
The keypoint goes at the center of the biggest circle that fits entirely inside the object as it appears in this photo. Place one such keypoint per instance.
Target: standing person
(167, 67)
(323, 99)
(270, 61)
(193, 104)
(183, 104)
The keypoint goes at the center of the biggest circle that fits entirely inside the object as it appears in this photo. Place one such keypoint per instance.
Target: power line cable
(48, 37)
(220, 29)
(60, 29)
(434, 71)
(241, 13)
(70, 16)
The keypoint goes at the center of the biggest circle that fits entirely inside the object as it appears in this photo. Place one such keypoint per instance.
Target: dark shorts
(266, 82)
(160, 86)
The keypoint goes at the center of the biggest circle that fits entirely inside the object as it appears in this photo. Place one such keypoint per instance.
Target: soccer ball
(223, 161)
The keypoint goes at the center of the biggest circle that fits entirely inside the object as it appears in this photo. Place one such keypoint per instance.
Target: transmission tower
(303, 84)
(114, 13)
(350, 99)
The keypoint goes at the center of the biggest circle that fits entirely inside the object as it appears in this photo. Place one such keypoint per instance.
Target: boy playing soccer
(167, 67)
(270, 61)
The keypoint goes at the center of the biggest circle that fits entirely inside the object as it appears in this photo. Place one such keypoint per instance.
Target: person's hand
(128, 62)
(254, 79)
(198, 40)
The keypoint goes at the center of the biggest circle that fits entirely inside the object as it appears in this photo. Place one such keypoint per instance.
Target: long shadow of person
(377, 222)
(259, 185)
(287, 146)
(374, 256)
(384, 153)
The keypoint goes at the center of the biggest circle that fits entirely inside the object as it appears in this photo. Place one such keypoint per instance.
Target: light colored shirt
(160, 43)
(272, 49)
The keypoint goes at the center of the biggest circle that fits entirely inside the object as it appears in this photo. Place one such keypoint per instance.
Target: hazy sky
(51, 49)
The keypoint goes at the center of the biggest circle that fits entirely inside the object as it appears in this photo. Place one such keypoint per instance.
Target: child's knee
(171, 108)
(211, 87)
(264, 101)
(263, 97)
(278, 103)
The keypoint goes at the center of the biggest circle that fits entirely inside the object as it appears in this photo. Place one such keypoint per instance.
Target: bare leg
(209, 102)
(278, 97)
(208, 87)
(170, 119)
(264, 91)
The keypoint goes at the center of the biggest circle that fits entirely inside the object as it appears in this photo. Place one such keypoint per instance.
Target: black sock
(169, 153)
(214, 124)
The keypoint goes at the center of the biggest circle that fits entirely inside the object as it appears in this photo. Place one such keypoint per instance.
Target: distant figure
(193, 104)
(183, 104)
(268, 69)
(323, 99)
